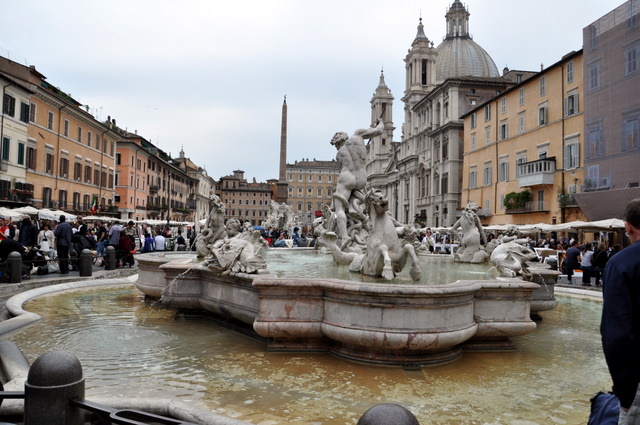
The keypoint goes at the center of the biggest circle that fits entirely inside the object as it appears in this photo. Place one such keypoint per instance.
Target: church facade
(422, 173)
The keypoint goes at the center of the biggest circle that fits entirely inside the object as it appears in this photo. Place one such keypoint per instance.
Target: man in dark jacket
(28, 233)
(63, 234)
(620, 325)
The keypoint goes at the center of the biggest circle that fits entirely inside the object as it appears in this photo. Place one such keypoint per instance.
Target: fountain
(155, 355)
(390, 323)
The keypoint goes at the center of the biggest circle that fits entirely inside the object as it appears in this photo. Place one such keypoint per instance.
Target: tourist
(4, 229)
(125, 251)
(28, 236)
(114, 233)
(620, 325)
(585, 264)
(599, 262)
(159, 241)
(46, 240)
(298, 239)
(181, 243)
(101, 238)
(281, 242)
(149, 243)
(63, 234)
(571, 260)
(82, 226)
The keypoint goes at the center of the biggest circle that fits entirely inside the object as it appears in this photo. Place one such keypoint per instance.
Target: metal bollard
(85, 263)
(110, 258)
(14, 266)
(53, 379)
(388, 413)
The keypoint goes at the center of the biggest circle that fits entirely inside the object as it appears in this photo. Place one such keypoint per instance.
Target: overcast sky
(211, 75)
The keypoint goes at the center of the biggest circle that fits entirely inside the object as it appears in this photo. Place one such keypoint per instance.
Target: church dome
(458, 54)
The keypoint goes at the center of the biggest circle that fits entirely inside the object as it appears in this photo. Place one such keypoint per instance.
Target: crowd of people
(59, 242)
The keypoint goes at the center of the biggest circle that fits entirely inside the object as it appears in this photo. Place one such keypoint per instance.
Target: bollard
(388, 413)
(53, 379)
(14, 266)
(110, 258)
(85, 263)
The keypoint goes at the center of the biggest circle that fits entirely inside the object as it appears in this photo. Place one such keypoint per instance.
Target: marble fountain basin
(396, 324)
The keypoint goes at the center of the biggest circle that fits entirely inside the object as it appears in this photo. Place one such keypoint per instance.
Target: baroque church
(422, 173)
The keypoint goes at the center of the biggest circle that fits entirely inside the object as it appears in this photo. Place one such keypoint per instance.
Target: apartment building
(310, 185)
(611, 112)
(523, 158)
(68, 156)
(246, 201)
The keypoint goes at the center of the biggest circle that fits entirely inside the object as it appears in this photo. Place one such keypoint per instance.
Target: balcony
(541, 171)
(154, 189)
(529, 207)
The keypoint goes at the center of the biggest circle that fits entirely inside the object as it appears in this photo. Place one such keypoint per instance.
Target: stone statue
(214, 227)
(470, 249)
(510, 259)
(237, 251)
(348, 196)
(388, 246)
(280, 216)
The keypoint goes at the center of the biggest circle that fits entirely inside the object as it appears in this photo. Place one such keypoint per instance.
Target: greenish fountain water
(132, 349)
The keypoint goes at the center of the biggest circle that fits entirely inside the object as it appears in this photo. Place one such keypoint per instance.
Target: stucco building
(310, 186)
(246, 201)
(523, 158)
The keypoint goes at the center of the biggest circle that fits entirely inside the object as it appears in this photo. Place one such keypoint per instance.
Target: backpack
(605, 409)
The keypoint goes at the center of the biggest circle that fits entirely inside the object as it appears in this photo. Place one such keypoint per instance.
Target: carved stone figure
(387, 247)
(510, 259)
(348, 196)
(280, 216)
(214, 227)
(237, 251)
(470, 249)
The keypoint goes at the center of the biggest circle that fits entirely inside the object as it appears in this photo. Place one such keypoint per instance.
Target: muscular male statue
(352, 156)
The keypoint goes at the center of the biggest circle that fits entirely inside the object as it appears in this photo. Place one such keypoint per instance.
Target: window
(630, 132)
(31, 157)
(87, 173)
(9, 105)
(64, 167)
(571, 103)
(66, 128)
(632, 59)
(319, 192)
(32, 112)
(473, 142)
(473, 178)
(62, 199)
(503, 172)
(543, 85)
(522, 159)
(595, 144)
(594, 76)
(521, 96)
(445, 149)
(503, 104)
(521, 123)
(572, 154)
(50, 121)
(487, 112)
(77, 171)
(21, 152)
(541, 200)
(487, 174)
(542, 115)
(80, 134)
(472, 120)
(46, 197)
(6, 146)
(487, 135)
(24, 112)
(76, 201)
(89, 138)
(593, 37)
(444, 181)
(49, 163)
(570, 72)
(504, 131)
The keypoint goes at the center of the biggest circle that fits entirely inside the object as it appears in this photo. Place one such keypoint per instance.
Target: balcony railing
(529, 207)
(541, 171)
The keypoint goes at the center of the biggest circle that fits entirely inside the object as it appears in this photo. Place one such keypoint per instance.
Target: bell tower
(379, 148)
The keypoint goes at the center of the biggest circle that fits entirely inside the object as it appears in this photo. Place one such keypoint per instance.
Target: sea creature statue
(471, 248)
(280, 216)
(510, 259)
(388, 246)
(236, 252)
(213, 228)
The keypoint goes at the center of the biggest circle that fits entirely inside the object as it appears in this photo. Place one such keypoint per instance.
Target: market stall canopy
(11, 214)
(47, 214)
(602, 225)
(29, 210)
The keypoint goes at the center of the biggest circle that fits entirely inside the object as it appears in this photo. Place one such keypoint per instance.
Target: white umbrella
(29, 210)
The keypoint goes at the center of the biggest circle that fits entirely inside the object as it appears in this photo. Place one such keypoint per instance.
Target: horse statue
(387, 248)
